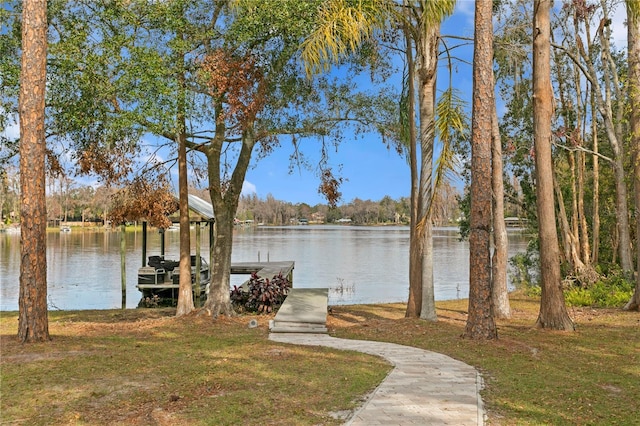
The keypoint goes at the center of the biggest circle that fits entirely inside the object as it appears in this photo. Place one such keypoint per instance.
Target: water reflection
(357, 264)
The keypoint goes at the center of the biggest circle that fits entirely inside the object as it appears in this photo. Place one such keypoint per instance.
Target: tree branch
(583, 149)
(575, 60)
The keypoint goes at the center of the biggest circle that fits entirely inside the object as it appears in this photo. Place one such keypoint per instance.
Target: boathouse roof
(199, 210)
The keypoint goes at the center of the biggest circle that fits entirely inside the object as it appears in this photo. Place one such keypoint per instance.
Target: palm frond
(342, 28)
(434, 11)
(451, 126)
(633, 9)
(404, 119)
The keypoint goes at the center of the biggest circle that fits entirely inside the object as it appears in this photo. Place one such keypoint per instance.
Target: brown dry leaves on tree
(145, 198)
(329, 185)
(236, 82)
(111, 165)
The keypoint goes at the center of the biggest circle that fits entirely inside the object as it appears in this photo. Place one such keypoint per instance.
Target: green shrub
(533, 290)
(609, 292)
(578, 296)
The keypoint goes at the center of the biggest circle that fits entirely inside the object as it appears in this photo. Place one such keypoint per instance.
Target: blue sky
(371, 170)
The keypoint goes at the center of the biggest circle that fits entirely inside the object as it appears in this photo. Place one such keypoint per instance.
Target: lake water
(357, 264)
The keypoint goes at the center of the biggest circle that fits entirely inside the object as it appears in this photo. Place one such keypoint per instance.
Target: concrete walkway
(303, 311)
(424, 388)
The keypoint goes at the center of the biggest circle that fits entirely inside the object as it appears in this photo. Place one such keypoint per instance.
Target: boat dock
(154, 280)
(265, 269)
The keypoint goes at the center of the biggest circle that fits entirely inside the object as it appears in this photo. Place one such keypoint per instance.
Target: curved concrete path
(424, 388)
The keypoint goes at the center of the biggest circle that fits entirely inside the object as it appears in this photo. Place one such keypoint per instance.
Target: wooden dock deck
(265, 269)
(262, 269)
(303, 311)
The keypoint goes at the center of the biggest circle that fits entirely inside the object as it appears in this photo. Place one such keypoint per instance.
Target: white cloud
(248, 188)
(466, 7)
(465, 12)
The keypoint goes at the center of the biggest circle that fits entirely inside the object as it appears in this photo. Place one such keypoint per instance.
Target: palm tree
(424, 32)
(342, 28)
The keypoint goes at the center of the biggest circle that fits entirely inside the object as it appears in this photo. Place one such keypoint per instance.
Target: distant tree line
(66, 200)
(359, 212)
(70, 201)
(270, 211)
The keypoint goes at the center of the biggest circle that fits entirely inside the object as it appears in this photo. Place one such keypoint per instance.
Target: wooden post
(144, 243)
(211, 237)
(123, 264)
(161, 242)
(198, 266)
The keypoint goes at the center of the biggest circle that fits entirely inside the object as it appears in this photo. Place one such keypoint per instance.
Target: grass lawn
(145, 367)
(532, 377)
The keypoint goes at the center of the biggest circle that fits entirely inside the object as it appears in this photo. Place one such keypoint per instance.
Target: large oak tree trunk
(480, 322)
(33, 324)
(224, 197)
(553, 312)
(218, 300)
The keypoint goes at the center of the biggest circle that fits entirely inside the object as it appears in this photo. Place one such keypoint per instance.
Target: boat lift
(156, 274)
(155, 277)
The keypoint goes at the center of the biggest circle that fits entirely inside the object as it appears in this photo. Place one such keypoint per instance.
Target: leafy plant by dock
(260, 295)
